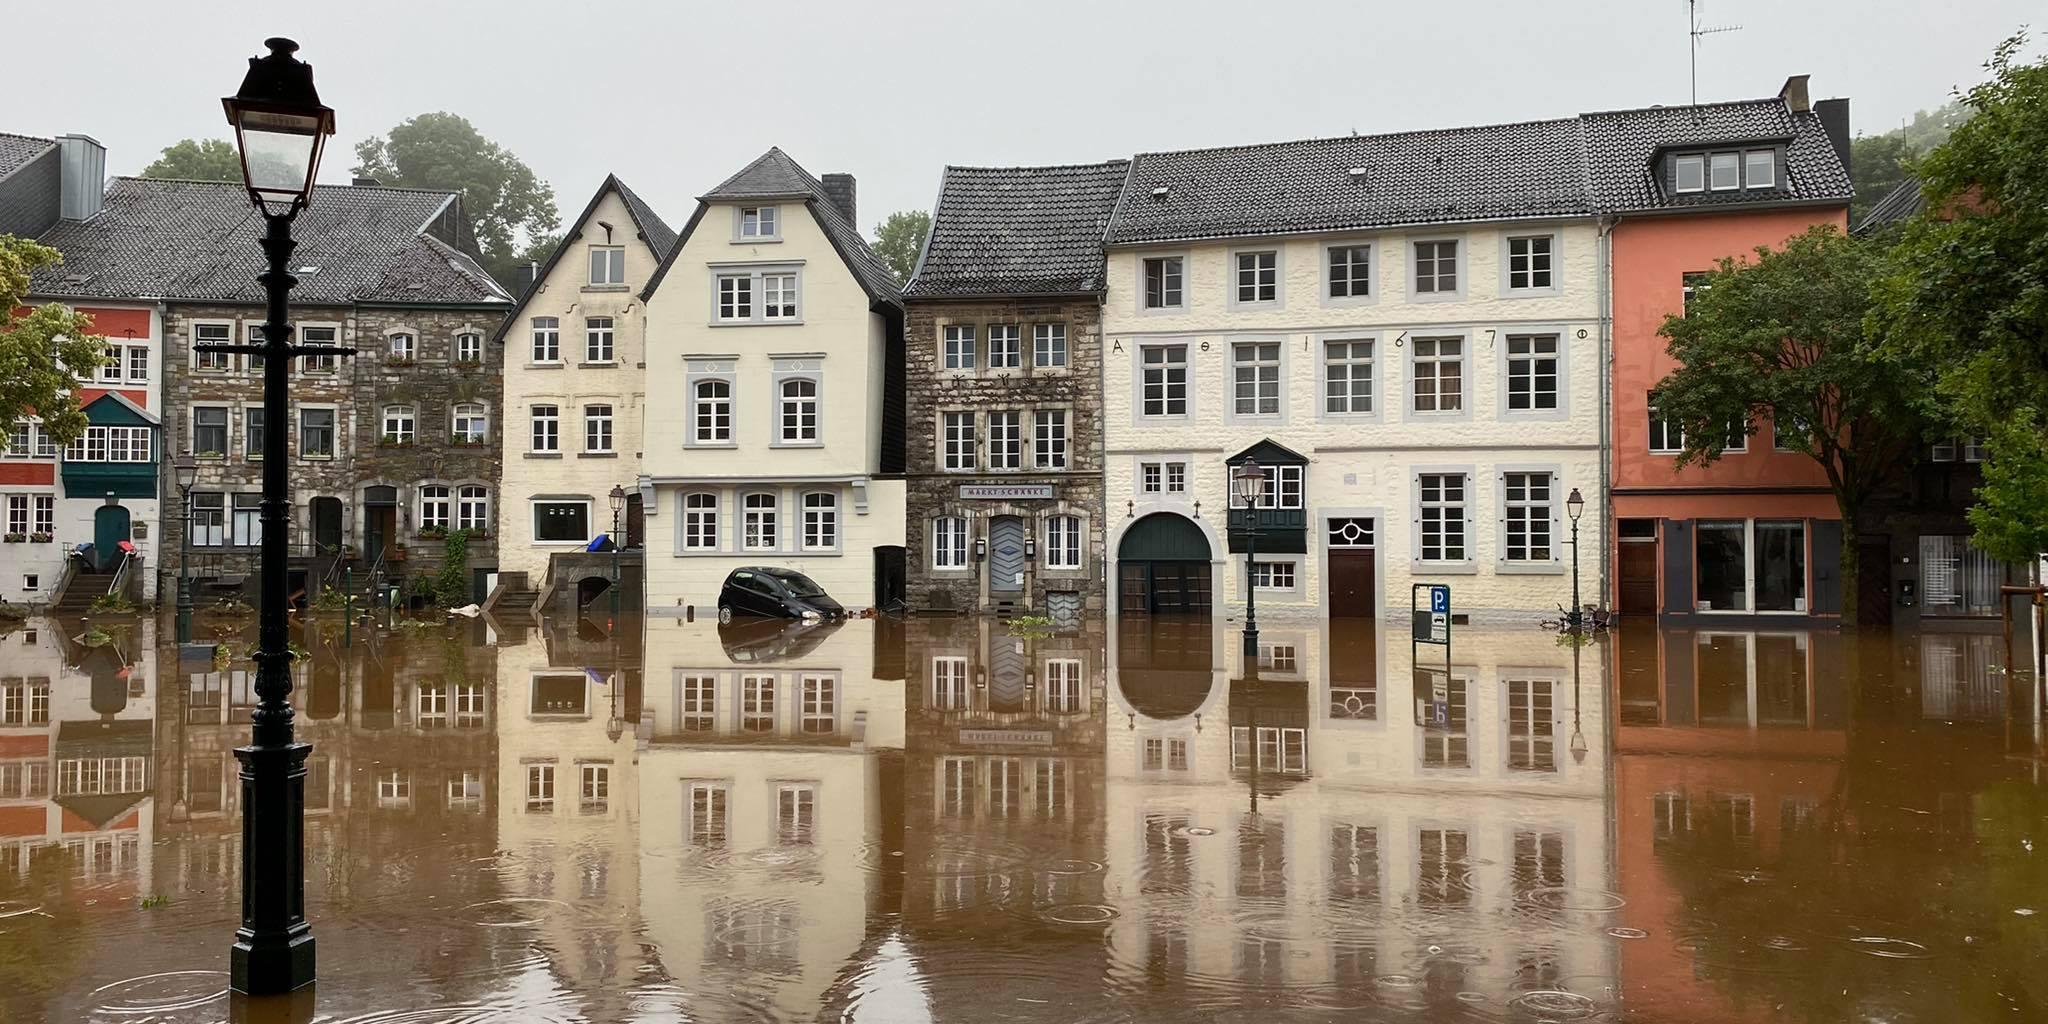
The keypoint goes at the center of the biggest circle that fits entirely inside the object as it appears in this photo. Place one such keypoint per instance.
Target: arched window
(757, 522)
(949, 543)
(398, 424)
(700, 521)
(473, 508)
(469, 423)
(1063, 542)
(433, 507)
(821, 520)
(799, 411)
(713, 413)
(403, 348)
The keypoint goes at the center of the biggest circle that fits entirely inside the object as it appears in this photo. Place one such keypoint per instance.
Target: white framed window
(1759, 168)
(469, 422)
(607, 265)
(1005, 347)
(434, 507)
(469, 347)
(46, 516)
(325, 336)
(1063, 542)
(1162, 279)
(711, 420)
(1442, 512)
(796, 812)
(1750, 564)
(473, 508)
(1258, 276)
(1531, 747)
(757, 521)
(1689, 171)
(958, 435)
(700, 703)
(1437, 370)
(209, 519)
(1284, 487)
(818, 707)
(759, 223)
(821, 521)
(758, 295)
(112, 366)
(1049, 345)
(1943, 451)
(1530, 267)
(17, 513)
(1273, 575)
(710, 815)
(949, 683)
(1436, 267)
(1528, 517)
(540, 787)
(1975, 449)
(400, 424)
(547, 428)
(212, 334)
(138, 364)
(1164, 379)
(735, 297)
(1347, 377)
(316, 433)
(547, 339)
(700, 521)
(1176, 477)
(778, 296)
(1151, 477)
(949, 543)
(597, 429)
(1532, 372)
(1667, 436)
(1255, 378)
(404, 347)
(1049, 430)
(799, 411)
(1350, 271)
(757, 703)
(597, 339)
(561, 522)
(597, 787)
(960, 347)
(1063, 685)
(1724, 171)
(1005, 440)
(209, 433)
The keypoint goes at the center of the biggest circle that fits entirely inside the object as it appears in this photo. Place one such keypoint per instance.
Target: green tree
(39, 346)
(503, 198)
(1967, 294)
(1878, 163)
(900, 239)
(1783, 336)
(198, 160)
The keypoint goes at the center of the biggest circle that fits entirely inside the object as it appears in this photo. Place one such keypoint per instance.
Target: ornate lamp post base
(273, 951)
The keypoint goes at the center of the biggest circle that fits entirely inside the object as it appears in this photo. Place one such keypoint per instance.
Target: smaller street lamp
(185, 470)
(618, 506)
(1248, 484)
(1575, 506)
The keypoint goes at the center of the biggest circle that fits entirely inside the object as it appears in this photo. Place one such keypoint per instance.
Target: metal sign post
(1432, 626)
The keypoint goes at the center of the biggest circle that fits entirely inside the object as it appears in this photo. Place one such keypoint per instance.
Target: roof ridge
(1341, 138)
(31, 138)
(1682, 106)
(317, 185)
(1102, 165)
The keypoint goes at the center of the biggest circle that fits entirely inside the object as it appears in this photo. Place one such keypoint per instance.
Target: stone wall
(935, 492)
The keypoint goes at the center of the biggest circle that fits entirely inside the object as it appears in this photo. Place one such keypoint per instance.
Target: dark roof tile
(1620, 145)
(17, 150)
(1899, 205)
(1018, 231)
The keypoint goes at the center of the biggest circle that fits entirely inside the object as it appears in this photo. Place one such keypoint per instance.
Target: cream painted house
(1404, 331)
(570, 421)
(773, 336)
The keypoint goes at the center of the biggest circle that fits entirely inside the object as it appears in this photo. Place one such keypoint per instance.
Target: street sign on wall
(1005, 492)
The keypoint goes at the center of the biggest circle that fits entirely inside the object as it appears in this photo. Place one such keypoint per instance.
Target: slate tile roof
(1620, 145)
(1492, 172)
(17, 150)
(774, 175)
(1018, 231)
(196, 241)
(660, 237)
(1897, 206)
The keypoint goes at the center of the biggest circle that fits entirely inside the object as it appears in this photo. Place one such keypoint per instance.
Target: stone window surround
(1379, 376)
(1373, 262)
(192, 429)
(341, 337)
(416, 500)
(588, 331)
(1187, 265)
(480, 403)
(1043, 529)
(1192, 347)
(1230, 413)
(1467, 566)
(342, 430)
(560, 402)
(1239, 305)
(931, 528)
(785, 367)
(1556, 286)
(1467, 385)
(756, 270)
(239, 425)
(1027, 346)
(405, 330)
(701, 368)
(1293, 593)
(1163, 460)
(1565, 337)
(1560, 527)
(1029, 423)
(192, 327)
(583, 420)
(1464, 268)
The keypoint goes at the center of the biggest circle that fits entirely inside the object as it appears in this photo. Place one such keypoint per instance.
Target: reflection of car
(759, 641)
(773, 593)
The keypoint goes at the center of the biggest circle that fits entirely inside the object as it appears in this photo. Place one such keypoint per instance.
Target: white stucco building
(774, 343)
(1403, 330)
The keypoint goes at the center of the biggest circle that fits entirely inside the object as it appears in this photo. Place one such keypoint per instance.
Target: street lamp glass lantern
(618, 499)
(280, 129)
(1575, 505)
(1248, 482)
(185, 469)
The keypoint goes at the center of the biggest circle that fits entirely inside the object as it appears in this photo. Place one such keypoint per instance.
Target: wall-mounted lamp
(1198, 510)
(1031, 549)
(980, 548)
(1130, 510)
(980, 677)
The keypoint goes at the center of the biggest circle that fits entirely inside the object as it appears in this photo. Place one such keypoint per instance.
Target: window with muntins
(1527, 517)
(960, 351)
(1255, 369)
(212, 334)
(1050, 428)
(700, 521)
(1530, 724)
(758, 221)
(597, 339)
(400, 424)
(1163, 282)
(323, 336)
(712, 418)
(1439, 372)
(597, 429)
(403, 348)
(778, 297)
(469, 347)
(1666, 436)
(1347, 377)
(959, 440)
(434, 507)
(1436, 267)
(1063, 542)
(1049, 345)
(547, 339)
(1529, 262)
(1005, 440)
(735, 297)
(1273, 575)
(1176, 477)
(470, 422)
(1532, 372)
(1283, 487)
(1350, 271)
(949, 543)
(1151, 479)
(547, 428)
(316, 433)
(209, 430)
(1005, 347)
(799, 414)
(1258, 276)
(1443, 517)
(473, 508)
(821, 520)
(757, 522)
(1164, 379)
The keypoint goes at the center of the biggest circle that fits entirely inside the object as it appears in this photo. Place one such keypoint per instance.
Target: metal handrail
(128, 559)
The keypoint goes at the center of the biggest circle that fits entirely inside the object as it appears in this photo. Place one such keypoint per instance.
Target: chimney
(1794, 94)
(1834, 117)
(840, 188)
(82, 176)
(362, 182)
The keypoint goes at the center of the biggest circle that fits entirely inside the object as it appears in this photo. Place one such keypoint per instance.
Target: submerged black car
(771, 593)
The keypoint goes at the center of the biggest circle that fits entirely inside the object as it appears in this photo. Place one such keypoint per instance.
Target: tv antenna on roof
(1694, 32)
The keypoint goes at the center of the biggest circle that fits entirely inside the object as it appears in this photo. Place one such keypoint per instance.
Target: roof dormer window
(1725, 171)
(757, 224)
(1759, 169)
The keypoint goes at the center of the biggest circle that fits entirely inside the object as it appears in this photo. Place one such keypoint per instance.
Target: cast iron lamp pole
(186, 470)
(1248, 482)
(618, 506)
(280, 128)
(1575, 506)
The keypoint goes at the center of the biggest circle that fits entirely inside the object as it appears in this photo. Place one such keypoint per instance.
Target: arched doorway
(110, 526)
(1163, 567)
(590, 588)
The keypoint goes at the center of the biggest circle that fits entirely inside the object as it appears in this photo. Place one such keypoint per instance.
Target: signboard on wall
(1005, 492)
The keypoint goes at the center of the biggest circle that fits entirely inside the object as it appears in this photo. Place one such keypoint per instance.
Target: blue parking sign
(1440, 599)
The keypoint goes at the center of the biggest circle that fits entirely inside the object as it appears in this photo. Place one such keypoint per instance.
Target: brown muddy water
(935, 820)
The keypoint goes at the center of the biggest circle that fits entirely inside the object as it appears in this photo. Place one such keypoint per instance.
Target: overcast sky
(675, 96)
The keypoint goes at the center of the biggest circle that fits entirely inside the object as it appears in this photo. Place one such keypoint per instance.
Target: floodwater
(936, 820)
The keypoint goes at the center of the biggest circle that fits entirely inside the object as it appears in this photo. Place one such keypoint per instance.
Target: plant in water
(223, 654)
(112, 603)
(12, 612)
(1031, 626)
(96, 637)
(331, 599)
(451, 584)
(156, 902)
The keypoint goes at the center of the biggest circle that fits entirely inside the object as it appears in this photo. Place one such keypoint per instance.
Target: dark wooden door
(1874, 584)
(1163, 588)
(326, 525)
(636, 521)
(1353, 593)
(1134, 588)
(110, 525)
(1638, 577)
(380, 528)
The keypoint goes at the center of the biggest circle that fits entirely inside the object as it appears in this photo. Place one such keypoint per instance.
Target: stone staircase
(81, 592)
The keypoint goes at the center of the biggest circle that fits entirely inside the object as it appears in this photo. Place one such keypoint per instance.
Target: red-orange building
(1756, 533)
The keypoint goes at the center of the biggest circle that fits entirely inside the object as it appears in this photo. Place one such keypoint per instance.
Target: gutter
(1609, 528)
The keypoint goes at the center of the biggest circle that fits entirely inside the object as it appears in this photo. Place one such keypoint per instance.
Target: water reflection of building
(1304, 825)
(762, 802)
(77, 717)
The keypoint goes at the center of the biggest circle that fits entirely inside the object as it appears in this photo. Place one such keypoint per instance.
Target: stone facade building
(391, 450)
(1004, 393)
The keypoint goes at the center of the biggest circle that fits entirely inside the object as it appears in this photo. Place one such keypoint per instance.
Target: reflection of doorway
(1006, 555)
(1638, 566)
(1354, 593)
(636, 521)
(1163, 567)
(326, 516)
(1874, 583)
(380, 521)
(109, 529)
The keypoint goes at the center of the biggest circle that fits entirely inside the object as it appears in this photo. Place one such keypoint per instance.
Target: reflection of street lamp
(1248, 482)
(1578, 741)
(618, 506)
(1575, 506)
(185, 469)
(280, 126)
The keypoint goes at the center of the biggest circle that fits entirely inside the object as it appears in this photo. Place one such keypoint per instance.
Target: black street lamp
(185, 469)
(1248, 483)
(1575, 506)
(618, 506)
(280, 127)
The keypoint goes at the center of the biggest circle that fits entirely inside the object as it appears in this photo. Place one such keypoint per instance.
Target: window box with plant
(432, 532)
(461, 440)
(15, 538)
(396, 441)
(40, 538)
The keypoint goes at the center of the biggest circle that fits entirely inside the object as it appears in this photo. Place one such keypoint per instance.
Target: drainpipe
(1609, 529)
